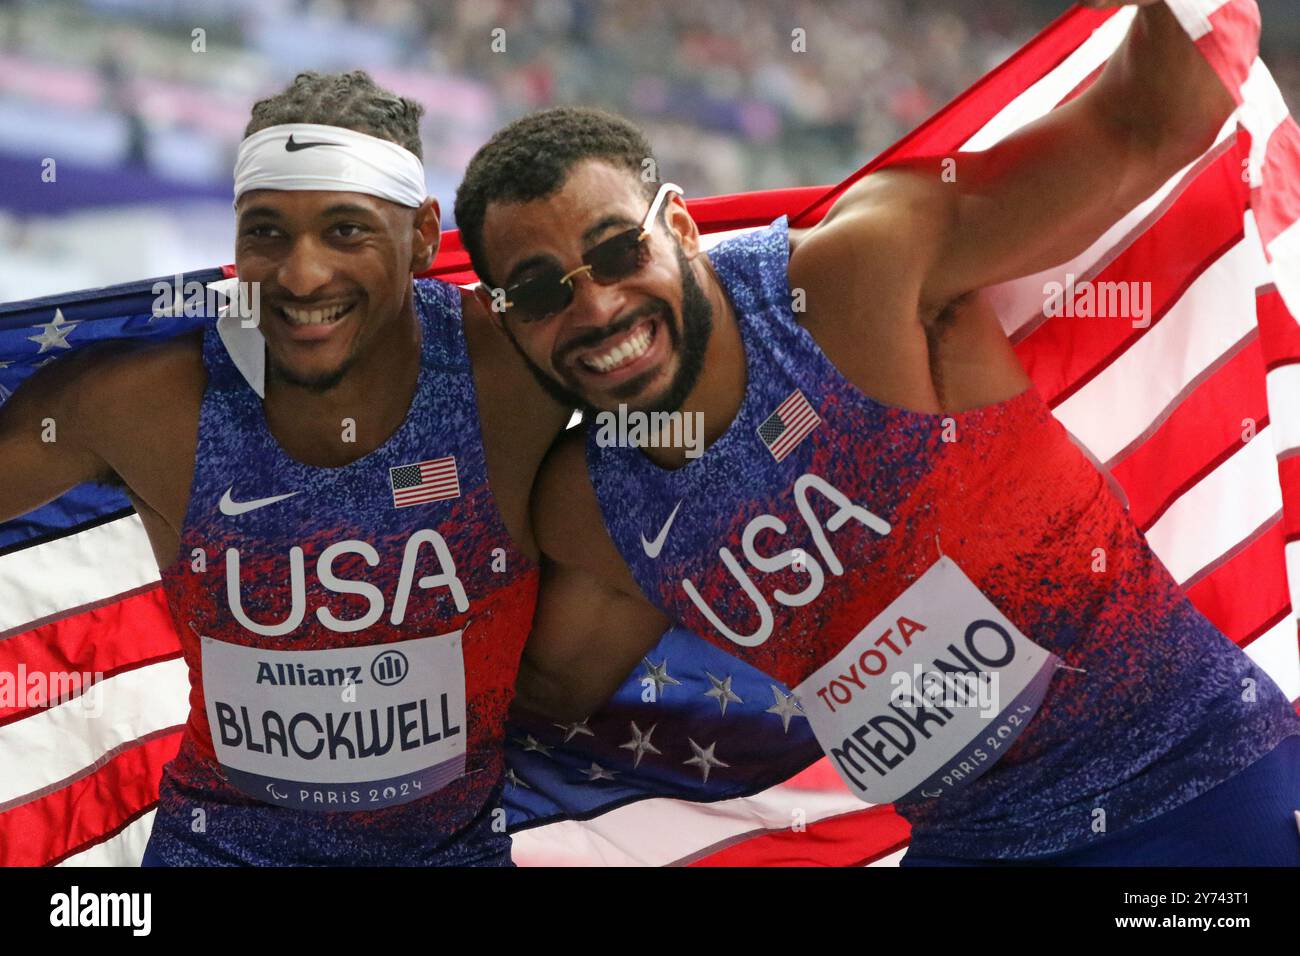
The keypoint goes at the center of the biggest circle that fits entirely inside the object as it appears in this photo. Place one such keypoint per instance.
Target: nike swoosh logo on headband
(291, 147)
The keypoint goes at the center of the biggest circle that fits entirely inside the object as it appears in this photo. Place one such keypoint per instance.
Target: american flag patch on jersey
(788, 425)
(424, 481)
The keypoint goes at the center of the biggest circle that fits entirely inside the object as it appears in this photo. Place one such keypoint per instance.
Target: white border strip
(63, 742)
(82, 568)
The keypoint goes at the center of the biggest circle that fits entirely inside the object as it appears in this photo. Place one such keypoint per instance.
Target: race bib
(351, 728)
(929, 695)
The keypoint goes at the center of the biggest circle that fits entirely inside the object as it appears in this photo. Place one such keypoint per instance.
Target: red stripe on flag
(1278, 328)
(1279, 205)
(1232, 42)
(1064, 355)
(852, 839)
(1247, 594)
(970, 112)
(819, 775)
(1195, 434)
(108, 638)
(1288, 473)
(55, 826)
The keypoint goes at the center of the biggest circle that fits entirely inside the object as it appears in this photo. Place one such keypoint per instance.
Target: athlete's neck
(337, 426)
(720, 389)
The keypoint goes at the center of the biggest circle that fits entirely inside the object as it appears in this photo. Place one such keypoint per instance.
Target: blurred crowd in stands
(736, 94)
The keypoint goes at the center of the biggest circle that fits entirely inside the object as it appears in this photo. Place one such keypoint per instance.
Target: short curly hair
(532, 157)
(350, 100)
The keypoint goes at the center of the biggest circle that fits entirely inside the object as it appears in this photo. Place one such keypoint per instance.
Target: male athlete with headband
(345, 552)
(832, 534)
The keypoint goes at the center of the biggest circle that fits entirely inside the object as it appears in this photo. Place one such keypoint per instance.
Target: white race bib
(928, 695)
(351, 728)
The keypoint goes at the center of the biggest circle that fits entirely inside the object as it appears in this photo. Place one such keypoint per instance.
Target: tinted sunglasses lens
(618, 256)
(539, 297)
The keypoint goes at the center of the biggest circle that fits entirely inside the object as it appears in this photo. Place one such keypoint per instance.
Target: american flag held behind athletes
(1196, 415)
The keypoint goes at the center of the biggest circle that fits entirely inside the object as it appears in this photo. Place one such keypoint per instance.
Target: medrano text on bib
(351, 728)
(929, 695)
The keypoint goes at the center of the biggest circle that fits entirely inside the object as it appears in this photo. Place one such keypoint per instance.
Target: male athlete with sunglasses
(883, 494)
(338, 502)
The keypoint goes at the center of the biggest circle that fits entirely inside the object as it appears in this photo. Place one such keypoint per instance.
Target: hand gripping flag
(700, 758)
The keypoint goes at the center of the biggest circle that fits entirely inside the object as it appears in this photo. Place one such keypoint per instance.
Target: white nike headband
(313, 156)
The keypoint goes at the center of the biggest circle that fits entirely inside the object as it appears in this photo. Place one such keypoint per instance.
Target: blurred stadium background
(141, 103)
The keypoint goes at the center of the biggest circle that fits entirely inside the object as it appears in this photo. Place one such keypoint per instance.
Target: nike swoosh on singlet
(230, 507)
(292, 147)
(652, 548)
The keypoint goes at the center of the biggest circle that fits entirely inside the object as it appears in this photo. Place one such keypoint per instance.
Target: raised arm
(1047, 192)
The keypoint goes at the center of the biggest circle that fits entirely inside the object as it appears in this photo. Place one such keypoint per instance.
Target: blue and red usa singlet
(352, 634)
(841, 544)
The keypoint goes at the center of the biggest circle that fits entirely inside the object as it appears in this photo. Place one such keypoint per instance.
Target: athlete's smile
(640, 349)
(315, 322)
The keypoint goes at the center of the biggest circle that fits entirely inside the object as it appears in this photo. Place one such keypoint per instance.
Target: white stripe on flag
(1283, 387)
(661, 832)
(1195, 15)
(1285, 250)
(1220, 511)
(61, 742)
(89, 566)
(1277, 652)
(1209, 320)
(1262, 111)
(1044, 95)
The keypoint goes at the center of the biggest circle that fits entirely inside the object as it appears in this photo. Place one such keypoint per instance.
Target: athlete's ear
(683, 225)
(427, 235)
(487, 298)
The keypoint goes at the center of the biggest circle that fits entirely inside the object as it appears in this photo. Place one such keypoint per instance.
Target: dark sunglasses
(610, 260)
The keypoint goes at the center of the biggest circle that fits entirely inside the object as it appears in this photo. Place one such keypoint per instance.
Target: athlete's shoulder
(894, 218)
(567, 517)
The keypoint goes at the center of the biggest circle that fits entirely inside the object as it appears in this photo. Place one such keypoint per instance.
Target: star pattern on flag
(659, 674)
(785, 706)
(640, 744)
(54, 334)
(531, 743)
(722, 692)
(704, 759)
(578, 727)
(597, 772)
(515, 780)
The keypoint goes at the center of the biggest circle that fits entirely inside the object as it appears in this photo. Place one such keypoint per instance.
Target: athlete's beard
(691, 343)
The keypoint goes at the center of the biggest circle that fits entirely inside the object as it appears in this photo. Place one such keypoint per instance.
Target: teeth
(633, 348)
(314, 316)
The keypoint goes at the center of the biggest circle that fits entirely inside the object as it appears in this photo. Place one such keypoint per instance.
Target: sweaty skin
(129, 414)
(892, 278)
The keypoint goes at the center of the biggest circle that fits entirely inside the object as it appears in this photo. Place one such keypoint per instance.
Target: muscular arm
(1047, 192)
(102, 408)
(520, 421)
(592, 625)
